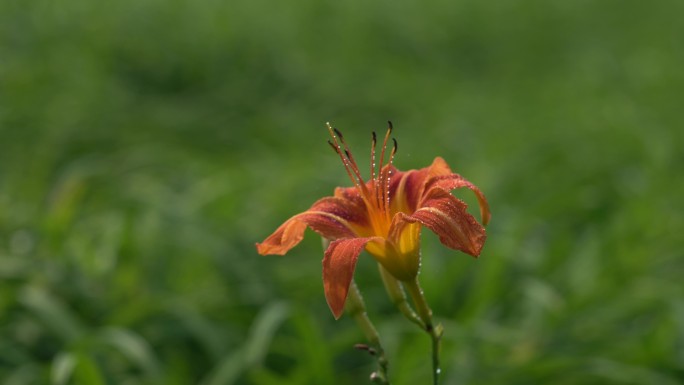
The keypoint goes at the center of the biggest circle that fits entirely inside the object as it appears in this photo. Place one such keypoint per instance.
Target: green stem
(356, 308)
(425, 315)
(398, 296)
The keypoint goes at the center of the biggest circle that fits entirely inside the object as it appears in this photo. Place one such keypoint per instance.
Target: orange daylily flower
(384, 216)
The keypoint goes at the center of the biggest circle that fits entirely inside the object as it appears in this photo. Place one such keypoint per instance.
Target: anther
(389, 123)
(365, 348)
(395, 145)
(338, 133)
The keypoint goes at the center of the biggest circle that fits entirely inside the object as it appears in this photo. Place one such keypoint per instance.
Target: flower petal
(407, 188)
(446, 215)
(331, 217)
(349, 193)
(353, 211)
(453, 181)
(287, 236)
(439, 167)
(339, 263)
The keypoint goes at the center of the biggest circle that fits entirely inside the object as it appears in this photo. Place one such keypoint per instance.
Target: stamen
(386, 192)
(373, 143)
(354, 166)
(384, 143)
(380, 192)
(374, 175)
(336, 147)
(375, 194)
(349, 163)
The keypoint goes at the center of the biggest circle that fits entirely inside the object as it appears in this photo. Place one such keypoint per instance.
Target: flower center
(375, 193)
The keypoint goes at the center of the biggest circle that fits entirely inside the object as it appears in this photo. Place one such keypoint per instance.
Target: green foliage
(146, 145)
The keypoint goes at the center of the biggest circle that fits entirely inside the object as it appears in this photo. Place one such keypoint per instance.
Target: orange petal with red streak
(339, 263)
(454, 181)
(447, 217)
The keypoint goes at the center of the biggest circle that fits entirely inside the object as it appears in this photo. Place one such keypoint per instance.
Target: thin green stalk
(356, 308)
(398, 296)
(425, 314)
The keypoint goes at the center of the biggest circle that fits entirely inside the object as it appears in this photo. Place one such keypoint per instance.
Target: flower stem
(425, 315)
(357, 309)
(398, 297)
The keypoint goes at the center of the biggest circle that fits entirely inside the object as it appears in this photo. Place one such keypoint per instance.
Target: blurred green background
(145, 146)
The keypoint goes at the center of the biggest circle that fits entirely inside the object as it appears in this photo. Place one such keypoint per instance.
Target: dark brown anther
(361, 347)
(395, 145)
(374, 138)
(334, 147)
(365, 347)
(346, 152)
(389, 123)
(338, 133)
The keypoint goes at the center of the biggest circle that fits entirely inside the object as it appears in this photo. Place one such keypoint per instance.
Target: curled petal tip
(266, 249)
(477, 244)
(486, 217)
